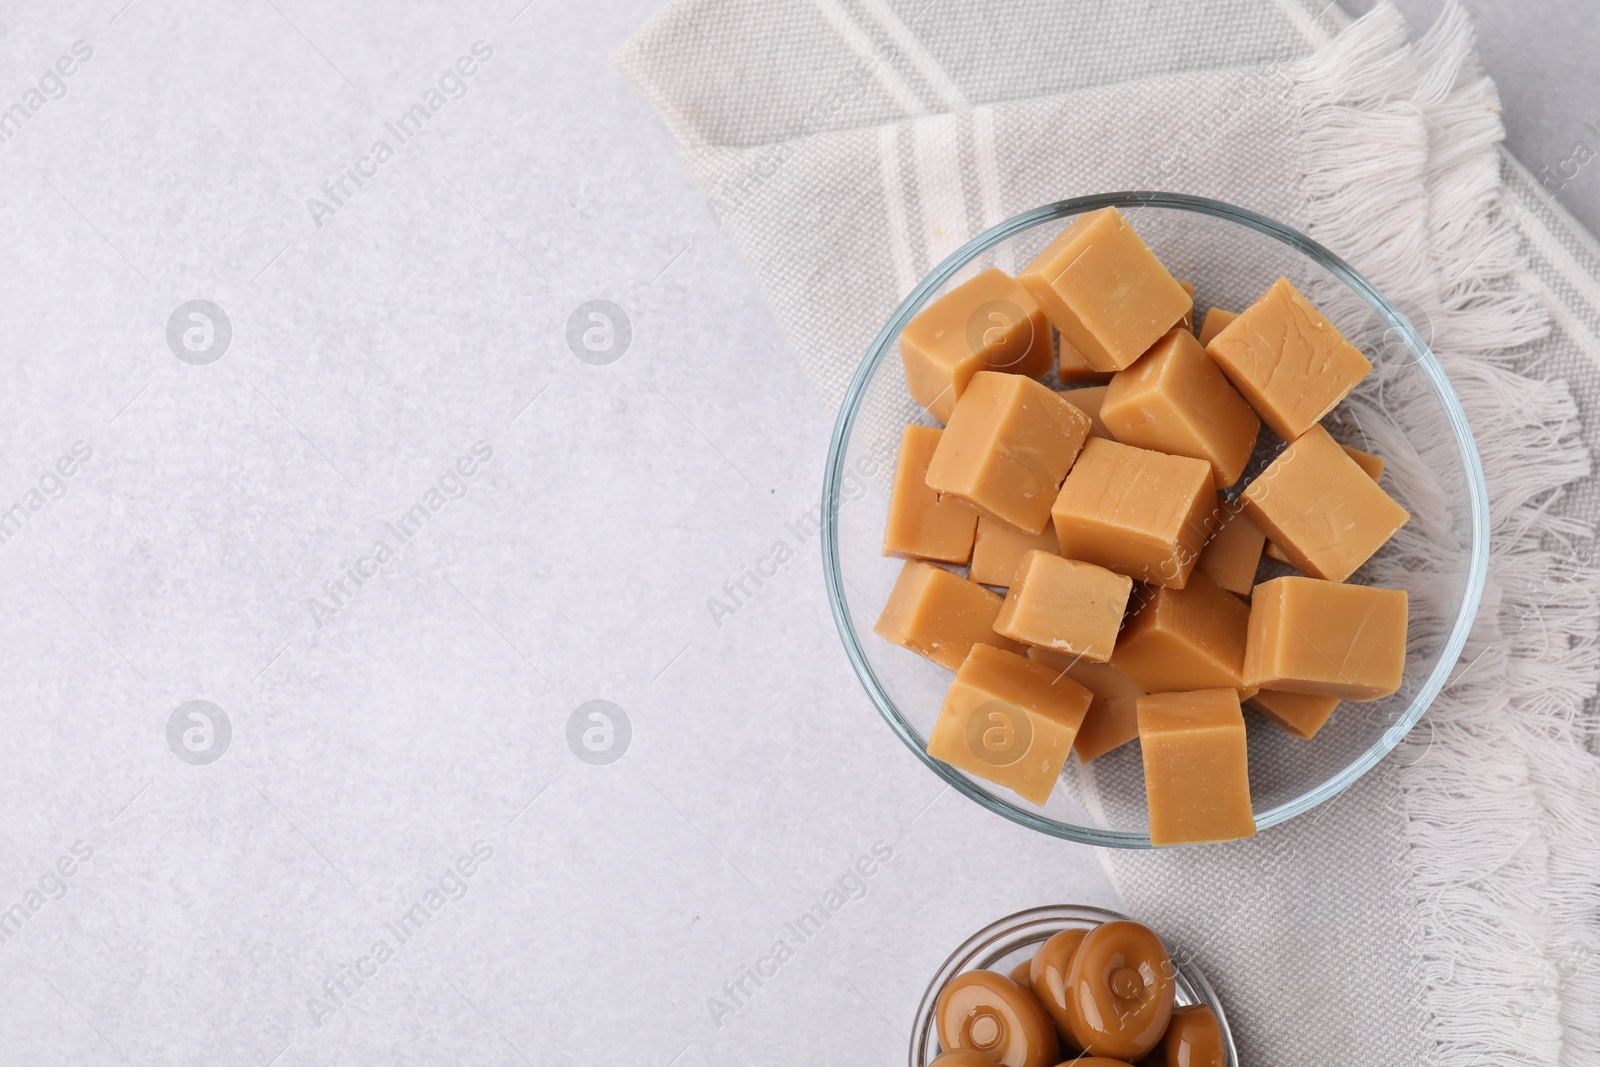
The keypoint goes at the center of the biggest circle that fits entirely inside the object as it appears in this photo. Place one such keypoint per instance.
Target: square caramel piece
(1007, 446)
(1104, 291)
(1113, 718)
(921, 523)
(1373, 465)
(1009, 721)
(1288, 360)
(1317, 505)
(1326, 638)
(1089, 400)
(1174, 399)
(940, 615)
(1187, 322)
(1065, 605)
(1000, 548)
(1137, 512)
(988, 323)
(1233, 554)
(1189, 638)
(1196, 767)
(1297, 714)
(1072, 370)
(1212, 324)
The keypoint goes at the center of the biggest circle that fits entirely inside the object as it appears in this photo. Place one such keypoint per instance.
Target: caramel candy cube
(1196, 767)
(1174, 399)
(1189, 638)
(1112, 720)
(1009, 721)
(1297, 714)
(1000, 548)
(1233, 554)
(1105, 291)
(1065, 605)
(1007, 446)
(1322, 509)
(1137, 512)
(1072, 370)
(1089, 400)
(940, 615)
(1373, 465)
(1212, 324)
(989, 323)
(1326, 638)
(1287, 360)
(921, 523)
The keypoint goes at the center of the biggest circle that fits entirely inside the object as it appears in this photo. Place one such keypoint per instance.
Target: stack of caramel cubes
(1111, 516)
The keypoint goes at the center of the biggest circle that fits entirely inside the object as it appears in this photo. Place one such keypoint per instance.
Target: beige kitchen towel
(1446, 909)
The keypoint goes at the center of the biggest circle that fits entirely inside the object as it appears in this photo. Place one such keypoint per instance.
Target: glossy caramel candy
(1193, 1039)
(1105, 291)
(1326, 638)
(1119, 991)
(1065, 605)
(1196, 769)
(1137, 512)
(921, 523)
(940, 615)
(1009, 721)
(1182, 639)
(1175, 400)
(1007, 447)
(1048, 971)
(989, 323)
(1321, 508)
(981, 1011)
(963, 1058)
(1288, 360)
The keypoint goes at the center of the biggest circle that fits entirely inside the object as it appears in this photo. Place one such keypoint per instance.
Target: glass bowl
(1405, 411)
(1003, 944)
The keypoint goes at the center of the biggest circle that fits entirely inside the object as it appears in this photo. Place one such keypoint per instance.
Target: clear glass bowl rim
(849, 410)
(1033, 926)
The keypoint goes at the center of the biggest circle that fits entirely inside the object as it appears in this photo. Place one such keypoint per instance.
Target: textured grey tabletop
(380, 508)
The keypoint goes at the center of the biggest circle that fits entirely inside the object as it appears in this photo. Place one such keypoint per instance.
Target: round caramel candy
(1020, 974)
(1092, 1061)
(1194, 1039)
(1119, 991)
(1047, 976)
(964, 1058)
(981, 1011)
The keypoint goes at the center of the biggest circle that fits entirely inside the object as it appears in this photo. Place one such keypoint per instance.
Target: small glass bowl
(1405, 411)
(1003, 944)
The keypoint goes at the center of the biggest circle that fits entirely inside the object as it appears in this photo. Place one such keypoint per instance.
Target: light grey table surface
(389, 735)
(232, 912)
